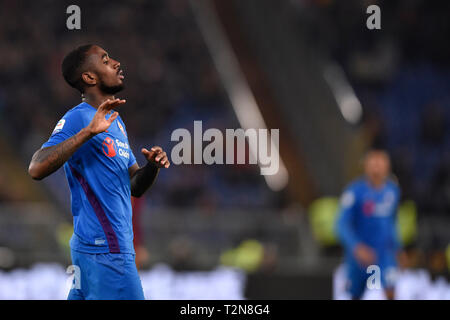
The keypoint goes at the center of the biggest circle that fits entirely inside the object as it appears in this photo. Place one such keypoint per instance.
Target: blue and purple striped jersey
(99, 183)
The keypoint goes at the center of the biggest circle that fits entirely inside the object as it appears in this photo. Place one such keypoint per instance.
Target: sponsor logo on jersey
(123, 149)
(109, 148)
(368, 207)
(380, 209)
(112, 147)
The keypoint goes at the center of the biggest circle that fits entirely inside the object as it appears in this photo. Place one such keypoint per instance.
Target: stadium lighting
(241, 97)
(348, 103)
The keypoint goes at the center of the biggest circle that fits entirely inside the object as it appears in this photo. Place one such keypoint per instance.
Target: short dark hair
(72, 66)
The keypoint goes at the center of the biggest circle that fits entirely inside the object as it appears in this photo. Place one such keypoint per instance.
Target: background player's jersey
(368, 215)
(99, 183)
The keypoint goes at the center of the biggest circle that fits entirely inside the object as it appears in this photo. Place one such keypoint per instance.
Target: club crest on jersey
(121, 128)
(109, 148)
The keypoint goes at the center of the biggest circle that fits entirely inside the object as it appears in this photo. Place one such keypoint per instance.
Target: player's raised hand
(99, 123)
(157, 156)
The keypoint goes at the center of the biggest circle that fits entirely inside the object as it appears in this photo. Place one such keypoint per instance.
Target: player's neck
(96, 99)
(377, 184)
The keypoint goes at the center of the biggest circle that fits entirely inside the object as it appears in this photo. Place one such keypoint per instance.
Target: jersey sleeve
(132, 159)
(345, 221)
(68, 126)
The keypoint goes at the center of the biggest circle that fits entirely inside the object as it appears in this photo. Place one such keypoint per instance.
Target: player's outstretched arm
(45, 161)
(142, 178)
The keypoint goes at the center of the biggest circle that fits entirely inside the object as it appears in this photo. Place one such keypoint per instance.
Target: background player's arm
(344, 225)
(45, 161)
(143, 178)
(345, 230)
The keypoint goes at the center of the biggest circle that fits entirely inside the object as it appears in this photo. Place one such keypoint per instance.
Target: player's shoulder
(119, 117)
(74, 118)
(351, 193)
(80, 109)
(75, 112)
(122, 125)
(392, 183)
(356, 184)
(79, 114)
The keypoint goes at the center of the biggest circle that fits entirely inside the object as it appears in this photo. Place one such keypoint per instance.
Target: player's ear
(89, 78)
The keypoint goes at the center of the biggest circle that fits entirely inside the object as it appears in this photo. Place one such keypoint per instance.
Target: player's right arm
(47, 160)
(345, 229)
(346, 216)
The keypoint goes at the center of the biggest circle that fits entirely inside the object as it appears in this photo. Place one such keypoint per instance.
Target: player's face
(110, 75)
(377, 166)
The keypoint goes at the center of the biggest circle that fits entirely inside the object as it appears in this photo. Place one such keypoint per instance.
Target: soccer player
(366, 225)
(91, 142)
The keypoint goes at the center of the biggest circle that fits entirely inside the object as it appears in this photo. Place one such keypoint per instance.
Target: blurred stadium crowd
(170, 82)
(402, 77)
(401, 74)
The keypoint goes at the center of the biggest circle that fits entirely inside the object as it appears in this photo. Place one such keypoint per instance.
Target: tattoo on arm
(143, 179)
(47, 160)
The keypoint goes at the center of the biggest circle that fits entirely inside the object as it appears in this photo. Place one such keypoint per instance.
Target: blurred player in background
(366, 225)
(92, 144)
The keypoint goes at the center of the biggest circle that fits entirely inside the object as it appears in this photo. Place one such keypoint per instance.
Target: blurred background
(313, 70)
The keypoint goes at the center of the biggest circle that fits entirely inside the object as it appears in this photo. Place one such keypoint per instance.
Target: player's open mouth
(120, 74)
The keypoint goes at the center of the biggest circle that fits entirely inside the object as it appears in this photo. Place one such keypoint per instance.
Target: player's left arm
(143, 178)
